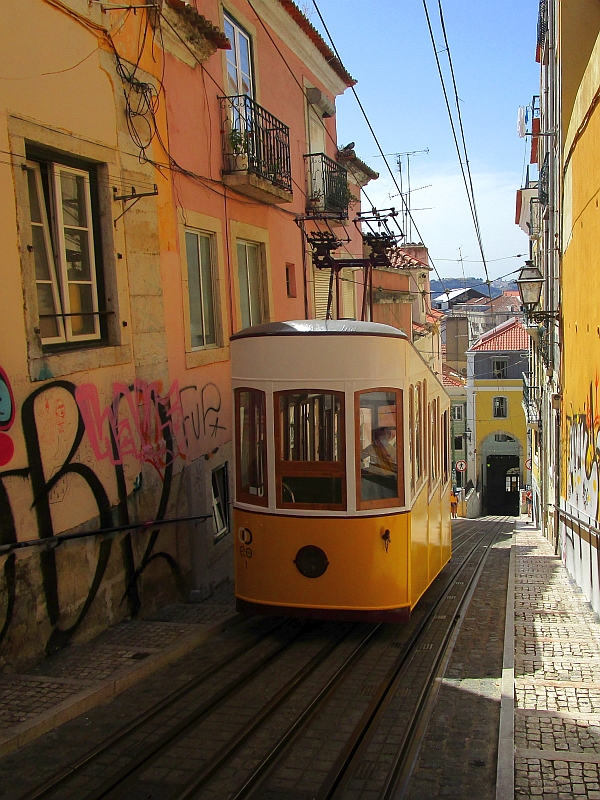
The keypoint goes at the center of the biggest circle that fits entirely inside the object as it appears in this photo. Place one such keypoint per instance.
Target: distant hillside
(497, 287)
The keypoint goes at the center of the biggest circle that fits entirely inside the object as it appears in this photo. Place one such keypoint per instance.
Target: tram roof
(321, 327)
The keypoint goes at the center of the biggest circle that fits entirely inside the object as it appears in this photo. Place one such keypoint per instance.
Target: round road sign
(461, 466)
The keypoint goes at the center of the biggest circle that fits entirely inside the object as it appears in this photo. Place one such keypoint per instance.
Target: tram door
(502, 485)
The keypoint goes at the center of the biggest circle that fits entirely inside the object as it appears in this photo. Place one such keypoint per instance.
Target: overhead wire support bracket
(134, 196)
(120, 6)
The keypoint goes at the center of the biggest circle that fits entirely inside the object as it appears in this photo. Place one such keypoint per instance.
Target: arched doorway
(502, 456)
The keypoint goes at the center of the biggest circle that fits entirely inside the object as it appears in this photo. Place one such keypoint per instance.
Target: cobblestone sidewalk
(82, 676)
(557, 678)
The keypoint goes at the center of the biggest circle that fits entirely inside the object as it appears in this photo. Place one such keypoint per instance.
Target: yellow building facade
(578, 404)
(497, 449)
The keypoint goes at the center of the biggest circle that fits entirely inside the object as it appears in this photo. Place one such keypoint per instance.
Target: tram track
(355, 753)
(59, 778)
(348, 643)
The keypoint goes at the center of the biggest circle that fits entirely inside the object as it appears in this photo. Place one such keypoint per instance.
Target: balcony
(535, 218)
(327, 189)
(531, 401)
(256, 151)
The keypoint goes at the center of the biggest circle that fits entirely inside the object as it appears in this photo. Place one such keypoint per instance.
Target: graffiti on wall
(73, 440)
(583, 458)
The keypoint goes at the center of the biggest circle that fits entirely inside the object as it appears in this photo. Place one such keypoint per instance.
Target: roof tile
(511, 335)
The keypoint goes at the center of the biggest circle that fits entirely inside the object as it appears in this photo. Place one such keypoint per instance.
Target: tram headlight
(311, 561)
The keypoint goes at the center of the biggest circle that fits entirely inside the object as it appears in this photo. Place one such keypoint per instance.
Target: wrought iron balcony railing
(531, 400)
(535, 218)
(328, 189)
(544, 181)
(530, 393)
(254, 141)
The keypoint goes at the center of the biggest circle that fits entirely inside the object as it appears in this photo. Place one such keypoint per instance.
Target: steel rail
(398, 779)
(345, 768)
(146, 754)
(342, 770)
(173, 697)
(231, 747)
(261, 772)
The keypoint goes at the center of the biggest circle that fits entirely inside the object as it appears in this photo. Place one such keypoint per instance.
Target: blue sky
(385, 45)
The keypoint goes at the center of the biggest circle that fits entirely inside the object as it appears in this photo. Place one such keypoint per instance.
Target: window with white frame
(250, 283)
(499, 368)
(62, 233)
(457, 413)
(199, 254)
(220, 502)
(458, 442)
(239, 59)
(500, 407)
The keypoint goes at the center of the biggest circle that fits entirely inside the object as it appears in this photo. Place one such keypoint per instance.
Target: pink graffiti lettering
(143, 423)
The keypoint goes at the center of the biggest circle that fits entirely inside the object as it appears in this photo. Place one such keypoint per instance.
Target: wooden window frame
(500, 373)
(53, 225)
(261, 280)
(290, 279)
(310, 469)
(500, 416)
(388, 502)
(239, 30)
(240, 496)
(212, 289)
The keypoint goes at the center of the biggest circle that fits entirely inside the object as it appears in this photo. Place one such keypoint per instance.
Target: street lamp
(530, 283)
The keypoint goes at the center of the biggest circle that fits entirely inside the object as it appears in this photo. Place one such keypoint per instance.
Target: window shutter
(321, 289)
(348, 293)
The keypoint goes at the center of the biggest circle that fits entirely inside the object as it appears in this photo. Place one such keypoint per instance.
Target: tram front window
(378, 447)
(251, 446)
(310, 449)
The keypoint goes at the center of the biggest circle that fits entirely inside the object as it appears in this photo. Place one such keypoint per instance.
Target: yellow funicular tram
(342, 470)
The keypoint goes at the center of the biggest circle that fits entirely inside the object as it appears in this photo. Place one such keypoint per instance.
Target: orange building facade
(160, 168)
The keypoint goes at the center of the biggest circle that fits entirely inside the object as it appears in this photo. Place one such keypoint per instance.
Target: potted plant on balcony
(238, 150)
(315, 200)
(345, 198)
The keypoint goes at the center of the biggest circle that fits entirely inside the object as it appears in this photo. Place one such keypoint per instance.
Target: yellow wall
(486, 423)
(580, 287)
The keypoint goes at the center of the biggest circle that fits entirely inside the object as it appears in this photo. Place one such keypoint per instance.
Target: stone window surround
(47, 364)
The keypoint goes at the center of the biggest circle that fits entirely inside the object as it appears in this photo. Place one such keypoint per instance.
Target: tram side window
(379, 445)
(418, 435)
(445, 445)
(251, 445)
(310, 447)
(411, 435)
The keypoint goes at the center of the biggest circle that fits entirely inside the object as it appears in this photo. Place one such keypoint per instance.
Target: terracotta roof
(304, 24)
(451, 378)
(349, 158)
(402, 260)
(511, 335)
(202, 25)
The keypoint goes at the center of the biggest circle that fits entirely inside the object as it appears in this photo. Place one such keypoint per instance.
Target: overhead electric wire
(303, 90)
(382, 154)
(463, 157)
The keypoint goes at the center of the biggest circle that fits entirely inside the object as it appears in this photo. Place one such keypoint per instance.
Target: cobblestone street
(59, 709)
(557, 678)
